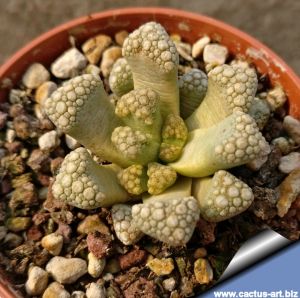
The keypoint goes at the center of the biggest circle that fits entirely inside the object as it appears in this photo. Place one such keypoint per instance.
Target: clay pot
(190, 26)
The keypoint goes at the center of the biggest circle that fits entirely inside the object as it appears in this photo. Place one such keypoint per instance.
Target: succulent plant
(222, 196)
(148, 144)
(192, 87)
(230, 89)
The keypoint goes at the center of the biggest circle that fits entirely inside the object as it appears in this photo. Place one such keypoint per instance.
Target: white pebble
(95, 291)
(49, 141)
(56, 290)
(292, 127)
(71, 142)
(184, 50)
(199, 45)
(289, 162)
(37, 281)
(78, 294)
(169, 284)
(53, 243)
(215, 54)
(10, 135)
(95, 265)
(69, 64)
(35, 75)
(66, 271)
(285, 145)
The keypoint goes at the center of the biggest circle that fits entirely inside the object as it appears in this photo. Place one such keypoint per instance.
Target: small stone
(289, 162)
(120, 37)
(215, 54)
(132, 258)
(99, 244)
(169, 284)
(34, 233)
(161, 266)
(203, 271)
(69, 64)
(16, 110)
(285, 145)
(12, 240)
(55, 165)
(26, 126)
(183, 265)
(289, 191)
(18, 224)
(276, 98)
(14, 164)
(66, 271)
(92, 223)
(200, 253)
(95, 265)
(18, 96)
(187, 285)
(292, 127)
(44, 91)
(264, 204)
(78, 294)
(49, 141)
(134, 290)
(92, 69)
(56, 290)
(71, 142)
(95, 290)
(184, 50)
(53, 243)
(37, 281)
(3, 232)
(3, 118)
(14, 147)
(94, 47)
(65, 230)
(109, 57)
(35, 75)
(42, 193)
(199, 46)
(10, 135)
(38, 161)
(39, 112)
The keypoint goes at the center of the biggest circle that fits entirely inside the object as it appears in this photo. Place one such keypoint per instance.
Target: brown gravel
(99, 244)
(133, 258)
(142, 288)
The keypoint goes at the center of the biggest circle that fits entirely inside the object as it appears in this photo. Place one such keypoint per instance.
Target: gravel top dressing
(138, 164)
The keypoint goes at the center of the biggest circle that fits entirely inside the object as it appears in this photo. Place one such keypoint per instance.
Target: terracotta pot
(190, 26)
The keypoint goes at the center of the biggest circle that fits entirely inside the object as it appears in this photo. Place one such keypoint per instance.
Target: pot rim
(149, 10)
(5, 289)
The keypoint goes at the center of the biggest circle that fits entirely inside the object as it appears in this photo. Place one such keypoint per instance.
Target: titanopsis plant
(148, 143)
